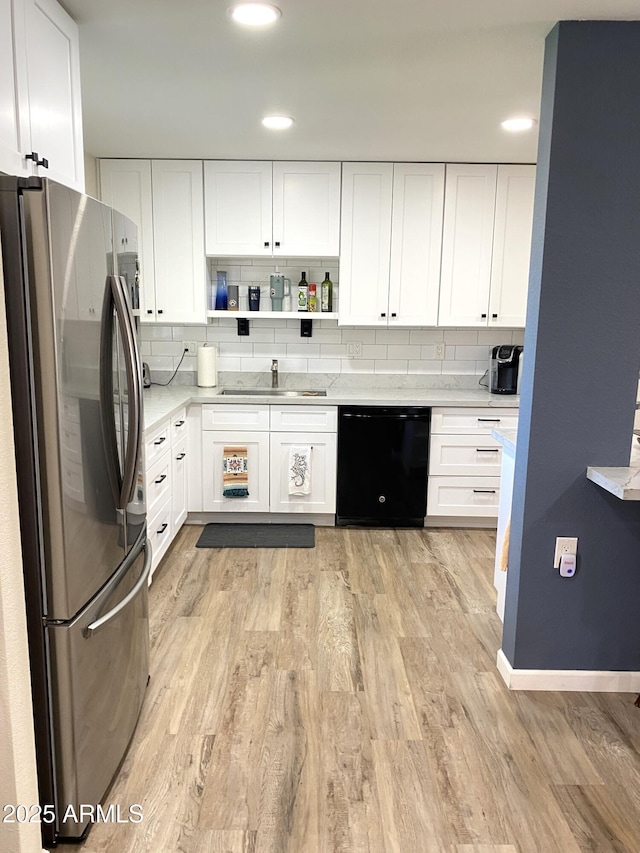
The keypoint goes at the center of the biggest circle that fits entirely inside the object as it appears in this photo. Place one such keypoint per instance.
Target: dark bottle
(326, 294)
(303, 293)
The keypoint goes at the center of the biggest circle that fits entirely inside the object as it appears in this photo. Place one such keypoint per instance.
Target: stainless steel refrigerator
(77, 405)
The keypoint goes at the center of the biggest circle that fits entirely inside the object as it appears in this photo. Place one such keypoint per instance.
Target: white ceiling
(364, 79)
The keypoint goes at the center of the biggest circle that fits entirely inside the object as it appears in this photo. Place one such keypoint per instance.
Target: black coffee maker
(504, 368)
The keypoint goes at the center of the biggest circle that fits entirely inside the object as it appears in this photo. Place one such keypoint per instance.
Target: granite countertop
(161, 402)
(623, 482)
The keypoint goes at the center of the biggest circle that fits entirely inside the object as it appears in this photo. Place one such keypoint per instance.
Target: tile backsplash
(384, 351)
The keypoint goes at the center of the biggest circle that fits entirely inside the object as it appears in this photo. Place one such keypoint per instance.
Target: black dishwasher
(383, 454)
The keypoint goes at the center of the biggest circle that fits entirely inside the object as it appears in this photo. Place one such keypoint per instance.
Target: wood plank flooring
(346, 698)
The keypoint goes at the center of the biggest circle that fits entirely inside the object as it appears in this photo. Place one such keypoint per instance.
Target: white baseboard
(590, 681)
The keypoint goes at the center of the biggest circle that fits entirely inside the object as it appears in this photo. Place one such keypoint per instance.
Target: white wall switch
(564, 545)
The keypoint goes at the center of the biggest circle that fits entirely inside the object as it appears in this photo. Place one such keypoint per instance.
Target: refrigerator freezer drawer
(98, 682)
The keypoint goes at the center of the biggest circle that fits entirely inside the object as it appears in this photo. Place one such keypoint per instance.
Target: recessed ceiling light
(277, 122)
(255, 14)
(515, 124)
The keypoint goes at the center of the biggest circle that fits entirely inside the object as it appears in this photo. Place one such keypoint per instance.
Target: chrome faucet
(274, 373)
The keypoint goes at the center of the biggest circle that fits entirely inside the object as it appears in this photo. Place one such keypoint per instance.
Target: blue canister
(221, 291)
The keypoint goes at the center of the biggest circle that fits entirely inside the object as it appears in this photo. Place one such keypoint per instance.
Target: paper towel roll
(207, 366)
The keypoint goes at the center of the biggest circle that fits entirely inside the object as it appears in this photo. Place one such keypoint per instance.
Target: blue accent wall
(582, 359)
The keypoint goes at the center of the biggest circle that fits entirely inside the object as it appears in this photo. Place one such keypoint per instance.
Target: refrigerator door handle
(106, 395)
(134, 408)
(91, 629)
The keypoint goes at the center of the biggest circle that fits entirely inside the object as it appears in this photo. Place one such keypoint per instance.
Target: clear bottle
(303, 293)
(313, 299)
(326, 294)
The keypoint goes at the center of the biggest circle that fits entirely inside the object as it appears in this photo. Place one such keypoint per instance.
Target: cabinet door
(365, 243)
(213, 444)
(178, 241)
(511, 245)
(237, 199)
(469, 206)
(14, 125)
(416, 239)
(178, 485)
(322, 497)
(306, 209)
(53, 72)
(126, 186)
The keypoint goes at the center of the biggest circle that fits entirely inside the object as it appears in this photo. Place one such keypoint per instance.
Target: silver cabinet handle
(142, 580)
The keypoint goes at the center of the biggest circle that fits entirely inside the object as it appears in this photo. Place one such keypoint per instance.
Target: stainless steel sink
(270, 392)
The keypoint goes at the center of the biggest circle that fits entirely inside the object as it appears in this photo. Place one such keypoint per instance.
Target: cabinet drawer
(466, 455)
(71, 441)
(73, 480)
(302, 418)
(221, 416)
(178, 426)
(158, 479)
(156, 442)
(463, 496)
(477, 421)
(159, 532)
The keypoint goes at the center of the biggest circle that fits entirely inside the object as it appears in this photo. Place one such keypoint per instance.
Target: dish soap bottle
(326, 294)
(303, 293)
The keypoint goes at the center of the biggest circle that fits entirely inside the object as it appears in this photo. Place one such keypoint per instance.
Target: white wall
(90, 175)
(18, 784)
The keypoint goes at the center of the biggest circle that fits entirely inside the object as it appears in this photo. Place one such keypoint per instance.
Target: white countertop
(161, 402)
(507, 438)
(624, 483)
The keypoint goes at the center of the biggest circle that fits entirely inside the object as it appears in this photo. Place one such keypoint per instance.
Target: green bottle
(326, 294)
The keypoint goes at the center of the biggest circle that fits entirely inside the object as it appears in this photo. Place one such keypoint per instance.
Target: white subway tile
(145, 347)
(220, 334)
(158, 333)
(357, 365)
(425, 336)
(303, 350)
(403, 352)
(166, 348)
(188, 365)
(469, 353)
(365, 336)
(460, 336)
(275, 350)
(392, 336)
(458, 367)
(261, 335)
(237, 349)
(327, 336)
(292, 365)
(324, 365)
(428, 352)
(391, 366)
(229, 363)
(433, 367)
(256, 365)
(492, 337)
(255, 273)
(517, 336)
(189, 333)
(160, 362)
(375, 351)
(333, 350)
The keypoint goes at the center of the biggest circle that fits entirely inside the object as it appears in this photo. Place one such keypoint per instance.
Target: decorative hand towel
(300, 470)
(235, 472)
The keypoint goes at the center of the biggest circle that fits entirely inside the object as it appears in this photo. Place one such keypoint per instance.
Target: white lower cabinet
(323, 452)
(269, 433)
(465, 461)
(257, 445)
(166, 486)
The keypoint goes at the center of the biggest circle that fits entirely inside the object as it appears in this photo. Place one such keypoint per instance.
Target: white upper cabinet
(238, 207)
(416, 240)
(126, 186)
(390, 243)
(178, 240)
(486, 245)
(53, 76)
(511, 245)
(40, 109)
(467, 242)
(306, 209)
(257, 208)
(14, 129)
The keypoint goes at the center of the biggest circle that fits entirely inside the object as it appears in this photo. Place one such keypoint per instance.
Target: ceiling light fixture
(516, 124)
(254, 14)
(277, 122)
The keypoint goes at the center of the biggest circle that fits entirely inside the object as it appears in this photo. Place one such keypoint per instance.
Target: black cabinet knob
(494, 316)
(383, 315)
(394, 315)
(160, 311)
(277, 244)
(484, 316)
(266, 244)
(149, 311)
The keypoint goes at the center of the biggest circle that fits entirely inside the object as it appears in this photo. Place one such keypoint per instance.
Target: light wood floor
(346, 698)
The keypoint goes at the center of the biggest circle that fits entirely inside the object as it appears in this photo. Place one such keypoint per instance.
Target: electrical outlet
(354, 349)
(190, 347)
(564, 545)
(440, 350)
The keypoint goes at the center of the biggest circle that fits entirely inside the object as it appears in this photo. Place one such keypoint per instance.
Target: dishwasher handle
(394, 417)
